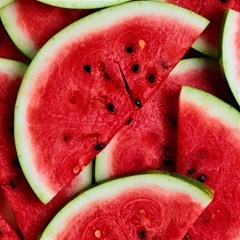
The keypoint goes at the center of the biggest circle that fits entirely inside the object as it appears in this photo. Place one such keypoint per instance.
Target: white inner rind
(12, 68)
(95, 22)
(230, 53)
(4, 3)
(20, 39)
(162, 182)
(83, 4)
(213, 106)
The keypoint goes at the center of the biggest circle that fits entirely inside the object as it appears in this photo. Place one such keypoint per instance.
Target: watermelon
(11, 73)
(83, 4)
(213, 10)
(230, 56)
(150, 140)
(209, 150)
(88, 92)
(30, 33)
(126, 208)
(8, 49)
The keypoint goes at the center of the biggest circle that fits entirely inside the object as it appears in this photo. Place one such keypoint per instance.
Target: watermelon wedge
(230, 53)
(83, 4)
(126, 208)
(11, 73)
(30, 33)
(84, 93)
(6, 231)
(8, 49)
(209, 150)
(150, 140)
(213, 10)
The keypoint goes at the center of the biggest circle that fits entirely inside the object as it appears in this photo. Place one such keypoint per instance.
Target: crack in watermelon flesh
(214, 160)
(150, 140)
(65, 107)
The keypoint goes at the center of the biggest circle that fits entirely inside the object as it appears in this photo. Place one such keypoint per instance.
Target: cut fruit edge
(165, 181)
(4, 3)
(101, 19)
(83, 4)
(229, 55)
(203, 99)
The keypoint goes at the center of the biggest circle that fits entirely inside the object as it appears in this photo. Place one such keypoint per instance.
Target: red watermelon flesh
(30, 32)
(150, 140)
(98, 89)
(9, 82)
(31, 214)
(209, 150)
(6, 231)
(8, 49)
(213, 10)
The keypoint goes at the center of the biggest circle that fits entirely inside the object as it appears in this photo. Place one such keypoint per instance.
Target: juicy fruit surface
(30, 33)
(214, 11)
(215, 161)
(89, 111)
(230, 53)
(126, 209)
(150, 140)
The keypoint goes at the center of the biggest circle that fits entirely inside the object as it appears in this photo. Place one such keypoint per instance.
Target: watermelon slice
(230, 53)
(30, 33)
(8, 49)
(84, 93)
(11, 73)
(213, 10)
(83, 4)
(6, 231)
(150, 140)
(209, 150)
(4, 3)
(126, 208)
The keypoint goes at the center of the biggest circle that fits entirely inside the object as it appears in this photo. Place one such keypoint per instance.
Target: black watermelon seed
(191, 171)
(174, 122)
(106, 76)
(111, 107)
(129, 49)
(138, 103)
(151, 78)
(142, 234)
(1, 233)
(66, 137)
(87, 68)
(186, 237)
(165, 148)
(223, 1)
(201, 178)
(135, 68)
(129, 121)
(16, 163)
(99, 146)
(12, 184)
(11, 130)
(167, 161)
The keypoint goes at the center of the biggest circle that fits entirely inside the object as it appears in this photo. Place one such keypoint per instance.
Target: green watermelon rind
(228, 52)
(166, 181)
(83, 4)
(12, 68)
(102, 165)
(22, 42)
(4, 3)
(212, 105)
(91, 23)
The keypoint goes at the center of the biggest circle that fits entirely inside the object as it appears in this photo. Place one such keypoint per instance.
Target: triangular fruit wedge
(213, 10)
(230, 52)
(30, 33)
(150, 140)
(83, 4)
(8, 49)
(209, 150)
(85, 83)
(6, 231)
(11, 73)
(156, 205)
